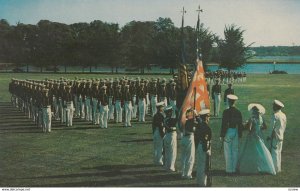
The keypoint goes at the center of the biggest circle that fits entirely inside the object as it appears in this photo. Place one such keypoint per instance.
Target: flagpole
(194, 102)
(199, 56)
(182, 38)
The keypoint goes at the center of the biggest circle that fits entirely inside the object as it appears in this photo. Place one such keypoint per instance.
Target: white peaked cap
(204, 112)
(160, 104)
(260, 108)
(232, 97)
(279, 103)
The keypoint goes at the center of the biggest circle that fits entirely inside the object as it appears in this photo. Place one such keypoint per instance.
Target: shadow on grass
(13, 120)
(137, 141)
(129, 134)
(23, 127)
(222, 173)
(122, 180)
(118, 176)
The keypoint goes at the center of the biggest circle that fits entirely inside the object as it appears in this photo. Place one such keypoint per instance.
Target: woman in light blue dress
(254, 156)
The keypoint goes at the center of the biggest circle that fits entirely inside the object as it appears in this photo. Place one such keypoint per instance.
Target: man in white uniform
(216, 96)
(231, 131)
(70, 106)
(173, 97)
(154, 97)
(188, 145)
(158, 134)
(170, 140)
(128, 106)
(46, 111)
(103, 108)
(202, 142)
(117, 98)
(88, 106)
(278, 125)
(142, 102)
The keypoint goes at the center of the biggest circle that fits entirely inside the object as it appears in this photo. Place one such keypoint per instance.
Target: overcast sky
(266, 22)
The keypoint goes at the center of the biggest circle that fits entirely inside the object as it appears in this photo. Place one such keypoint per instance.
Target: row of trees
(137, 44)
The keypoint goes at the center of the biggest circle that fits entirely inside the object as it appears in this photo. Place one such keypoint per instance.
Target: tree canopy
(232, 50)
(137, 44)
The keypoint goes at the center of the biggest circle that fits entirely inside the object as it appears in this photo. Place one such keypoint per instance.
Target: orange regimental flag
(197, 93)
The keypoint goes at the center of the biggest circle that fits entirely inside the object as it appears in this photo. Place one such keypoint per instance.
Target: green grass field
(87, 156)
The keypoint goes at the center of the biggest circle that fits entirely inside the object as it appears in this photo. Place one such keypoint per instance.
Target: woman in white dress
(254, 156)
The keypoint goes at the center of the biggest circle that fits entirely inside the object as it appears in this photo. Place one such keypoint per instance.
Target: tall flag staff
(199, 55)
(197, 93)
(201, 70)
(183, 83)
(182, 72)
(183, 61)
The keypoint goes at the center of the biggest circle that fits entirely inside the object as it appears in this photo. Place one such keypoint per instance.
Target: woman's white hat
(260, 108)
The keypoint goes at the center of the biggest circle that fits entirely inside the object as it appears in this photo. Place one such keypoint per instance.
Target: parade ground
(86, 156)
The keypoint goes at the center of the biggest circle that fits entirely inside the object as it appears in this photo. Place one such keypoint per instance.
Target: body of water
(263, 68)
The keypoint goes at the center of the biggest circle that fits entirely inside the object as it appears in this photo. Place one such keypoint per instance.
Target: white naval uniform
(158, 147)
(170, 145)
(165, 100)
(231, 141)
(118, 111)
(142, 109)
(103, 116)
(128, 112)
(69, 114)
(95, 113)
(153, 104)
(55, 107)
(64, 111)
(61, 109)
(111, 108)
(88, 114)
(40, 117)
(79, 105)
(147, 104)
(135, 107)
(201, 166)
(174, 108)
(188, 155)
(75, 103)
(46, 124)
(278, 126)
(217, 102)
(82, 108)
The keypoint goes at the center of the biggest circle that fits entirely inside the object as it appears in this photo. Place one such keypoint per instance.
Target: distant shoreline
(272, 61)
(263, 62)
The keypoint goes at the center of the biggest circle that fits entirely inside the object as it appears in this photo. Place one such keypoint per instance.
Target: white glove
(208, 152)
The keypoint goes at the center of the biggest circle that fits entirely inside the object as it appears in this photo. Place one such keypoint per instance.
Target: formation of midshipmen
(101, 100)
(225, 77)
(93, 100)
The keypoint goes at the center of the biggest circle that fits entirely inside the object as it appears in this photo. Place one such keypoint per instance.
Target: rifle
(208, 170)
